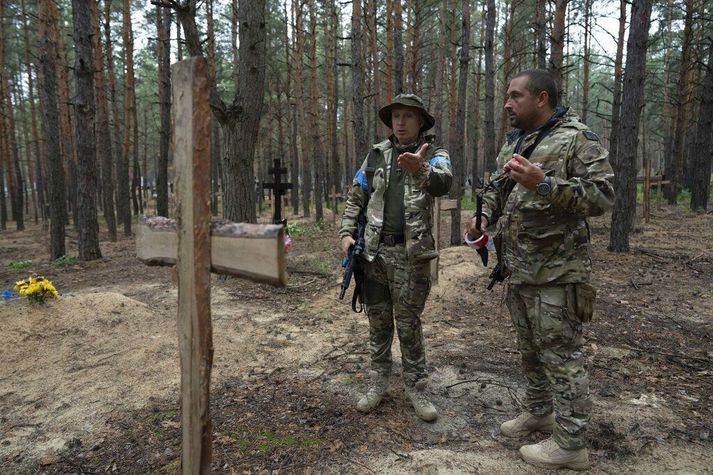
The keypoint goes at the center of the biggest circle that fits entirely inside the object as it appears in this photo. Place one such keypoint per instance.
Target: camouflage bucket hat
(408, 100)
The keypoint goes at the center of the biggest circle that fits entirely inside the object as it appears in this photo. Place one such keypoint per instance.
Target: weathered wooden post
(197, 245)
(191, 151)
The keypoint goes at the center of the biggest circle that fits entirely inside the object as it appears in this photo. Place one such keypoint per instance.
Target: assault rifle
(352, 267)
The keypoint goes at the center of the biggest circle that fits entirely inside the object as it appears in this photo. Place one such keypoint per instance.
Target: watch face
(543, 188)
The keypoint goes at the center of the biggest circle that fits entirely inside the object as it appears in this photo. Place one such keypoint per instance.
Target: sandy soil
(89, 382)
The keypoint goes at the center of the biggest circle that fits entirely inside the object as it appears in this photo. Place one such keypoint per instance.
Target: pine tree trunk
(435, 102)
(415, 47)
(557, 44)
(330, 39)
(102, 128)
(398, 49)
(541, 34)
(507, 69)
(675, 172)
(14, 171)
(701, 160)
(292, 114)
(489, 122)
(39, 158)
(457, 143)
(163, 25)
(69, 152)
(626, 170)
(122, 172)
(478, 163)
(48, 54)
(315, 129)
(299, 105)
(585, 73)
(453, 60)
(616, 100)
(84, 67)
(358, 82)
(375, 100)
(389, 66)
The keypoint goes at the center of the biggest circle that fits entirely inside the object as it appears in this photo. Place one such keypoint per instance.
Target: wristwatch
(544, 187)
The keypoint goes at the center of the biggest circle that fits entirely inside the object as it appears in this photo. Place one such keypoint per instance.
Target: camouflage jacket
(546, 239)
(431, 180)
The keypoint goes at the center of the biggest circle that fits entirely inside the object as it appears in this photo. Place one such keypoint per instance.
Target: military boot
(527, 423)
(378, 385)
(547, 454)
(423, 407)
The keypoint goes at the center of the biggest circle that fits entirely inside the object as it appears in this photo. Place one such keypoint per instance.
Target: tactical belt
(392, 239)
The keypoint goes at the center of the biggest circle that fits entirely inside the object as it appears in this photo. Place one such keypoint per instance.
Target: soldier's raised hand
(524, 172)
(411, 162)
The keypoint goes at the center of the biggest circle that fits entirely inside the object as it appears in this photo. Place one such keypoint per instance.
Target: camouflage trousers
(396, 290)
(549, 337)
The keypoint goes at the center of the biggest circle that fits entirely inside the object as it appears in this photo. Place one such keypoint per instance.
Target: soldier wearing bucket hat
(396, 185)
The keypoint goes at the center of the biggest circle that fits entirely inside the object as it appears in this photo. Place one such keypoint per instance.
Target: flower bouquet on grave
(36, 289)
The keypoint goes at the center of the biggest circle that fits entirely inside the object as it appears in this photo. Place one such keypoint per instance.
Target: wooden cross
(278, 188)
(198, 246)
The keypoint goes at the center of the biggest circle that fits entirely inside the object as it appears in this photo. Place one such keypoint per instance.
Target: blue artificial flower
(6, 294)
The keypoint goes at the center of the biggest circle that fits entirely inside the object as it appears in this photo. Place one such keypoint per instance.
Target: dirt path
(89, 383)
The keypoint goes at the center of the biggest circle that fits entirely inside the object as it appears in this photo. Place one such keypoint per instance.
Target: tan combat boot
(423, 407)
(547, 454)
(527, 423)
(374, 394)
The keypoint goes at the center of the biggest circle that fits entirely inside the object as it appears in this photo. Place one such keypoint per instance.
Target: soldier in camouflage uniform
(544, 248)
(408, 172)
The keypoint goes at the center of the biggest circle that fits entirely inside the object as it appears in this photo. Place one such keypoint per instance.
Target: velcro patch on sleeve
(590, 135)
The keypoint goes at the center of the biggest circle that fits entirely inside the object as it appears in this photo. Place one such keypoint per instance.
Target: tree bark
(315, 129)
(540, 34)
(489, 122)
(478, 163)
(358, 82)
(48, 53)
(457, 142)
(398, 49)
(241, 119)
(701, 160)
(415, 47)
(389, 66)
(102, 128)
(507, 69)
(69, 152)
(557, 44)
(292, 113)
(616, 100)
(674, 171)
(585, 72)
(11, 153)
(626, 169)
(163, 25)
(435, 102)
(84, 66)
(330, 39)
(7, 114)
(453, 59)
(39, 156)
(299, 105)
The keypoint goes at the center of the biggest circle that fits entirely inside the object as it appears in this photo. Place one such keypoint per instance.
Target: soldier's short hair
(541, 80)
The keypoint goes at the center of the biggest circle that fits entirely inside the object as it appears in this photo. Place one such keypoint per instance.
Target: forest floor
(89, 383)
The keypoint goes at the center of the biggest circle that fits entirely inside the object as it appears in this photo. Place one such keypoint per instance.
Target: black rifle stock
(352, 266)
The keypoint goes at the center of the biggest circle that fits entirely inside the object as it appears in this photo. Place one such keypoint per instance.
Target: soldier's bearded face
(521, 105)
(406, 122)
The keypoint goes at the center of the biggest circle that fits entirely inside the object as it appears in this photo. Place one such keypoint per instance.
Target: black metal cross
(278, 188)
